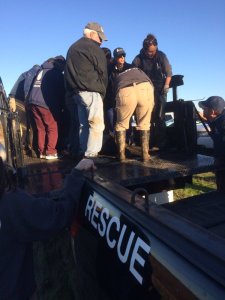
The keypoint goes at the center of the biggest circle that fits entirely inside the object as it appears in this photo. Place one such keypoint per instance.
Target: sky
(190, 32)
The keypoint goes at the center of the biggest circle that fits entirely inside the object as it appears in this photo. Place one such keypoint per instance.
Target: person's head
(59, 62)
(150, 45)
(212, 107)
(108, 54)
(119, 56)
(94, 31)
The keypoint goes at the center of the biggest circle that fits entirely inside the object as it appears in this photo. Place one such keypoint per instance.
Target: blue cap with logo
(214, 102)
(119, 52)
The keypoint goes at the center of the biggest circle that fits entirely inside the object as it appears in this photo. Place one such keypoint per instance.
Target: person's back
(86, 81)
(48, 88)
(46, 101)
(20, 92)
(133, 94)
(86, 68)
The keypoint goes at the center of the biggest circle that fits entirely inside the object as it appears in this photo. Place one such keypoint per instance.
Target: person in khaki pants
(134, 93)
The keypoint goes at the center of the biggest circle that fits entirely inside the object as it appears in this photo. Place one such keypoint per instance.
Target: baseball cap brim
(203, 104)
(120, 54)
(102, 35)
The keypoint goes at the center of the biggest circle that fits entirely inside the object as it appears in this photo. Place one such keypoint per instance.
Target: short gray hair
(87, 32)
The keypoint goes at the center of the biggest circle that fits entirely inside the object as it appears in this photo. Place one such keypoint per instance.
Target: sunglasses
(122, 55)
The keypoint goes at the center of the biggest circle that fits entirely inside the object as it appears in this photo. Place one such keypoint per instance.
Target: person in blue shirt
(20, 92)
(24, 219)
(214, 113)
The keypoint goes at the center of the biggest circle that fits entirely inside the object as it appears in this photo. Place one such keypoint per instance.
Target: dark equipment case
(182, 134)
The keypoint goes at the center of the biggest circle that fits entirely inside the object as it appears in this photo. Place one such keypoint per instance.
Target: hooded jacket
(24, 84)
(48, 89)
(86, 68)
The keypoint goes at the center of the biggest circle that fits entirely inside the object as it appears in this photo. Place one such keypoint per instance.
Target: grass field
(202, 183)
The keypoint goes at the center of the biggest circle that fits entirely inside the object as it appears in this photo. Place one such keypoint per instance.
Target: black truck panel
(192, 258)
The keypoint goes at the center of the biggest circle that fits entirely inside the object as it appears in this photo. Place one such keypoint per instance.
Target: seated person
(214, 113)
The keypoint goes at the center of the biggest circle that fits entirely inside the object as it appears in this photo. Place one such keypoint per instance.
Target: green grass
(201, 183)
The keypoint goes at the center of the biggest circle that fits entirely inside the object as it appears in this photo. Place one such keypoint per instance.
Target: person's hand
(12, 104)
(166, 89)
(85, 165)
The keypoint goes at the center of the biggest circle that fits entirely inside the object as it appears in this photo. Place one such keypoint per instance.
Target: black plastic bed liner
(206, 210)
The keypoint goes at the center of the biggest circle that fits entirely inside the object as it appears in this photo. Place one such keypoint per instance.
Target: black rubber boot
(121, 144)
(144, 138)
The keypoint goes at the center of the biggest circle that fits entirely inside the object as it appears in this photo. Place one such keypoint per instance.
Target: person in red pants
(46, 102)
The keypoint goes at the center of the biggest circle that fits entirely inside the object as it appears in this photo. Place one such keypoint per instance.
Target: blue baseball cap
(214, 102)
(119, 52)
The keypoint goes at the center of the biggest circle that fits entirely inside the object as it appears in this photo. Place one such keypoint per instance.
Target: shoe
(42, 156)
(91, 155)
(52, 156)
(97, 159)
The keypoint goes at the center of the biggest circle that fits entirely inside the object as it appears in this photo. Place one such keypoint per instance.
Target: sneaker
(51, 156)
(42, 156)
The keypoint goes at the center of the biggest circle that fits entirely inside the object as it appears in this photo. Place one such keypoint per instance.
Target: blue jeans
(110, 119)
(91, 119)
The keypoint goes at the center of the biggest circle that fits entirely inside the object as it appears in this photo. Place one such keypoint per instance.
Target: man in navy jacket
(46, 102)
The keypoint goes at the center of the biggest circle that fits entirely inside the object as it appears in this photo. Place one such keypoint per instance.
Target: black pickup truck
(126, 247)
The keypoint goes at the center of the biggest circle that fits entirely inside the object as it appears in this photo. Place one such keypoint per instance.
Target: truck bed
(160, 173)
(206, 210)
(185, 239)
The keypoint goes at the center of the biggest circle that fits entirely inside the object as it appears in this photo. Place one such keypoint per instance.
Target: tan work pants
(138, 98)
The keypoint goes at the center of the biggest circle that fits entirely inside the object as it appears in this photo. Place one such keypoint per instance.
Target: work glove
(12, 104)
(165, 89)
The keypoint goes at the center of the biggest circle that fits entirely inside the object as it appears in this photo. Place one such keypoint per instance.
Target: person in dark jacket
(214, 113)
(109, 106)
(20, 92)
(156, 65)
(46, 102)
(133, 92)
(22, 87)
(24, 219)
(86, 81)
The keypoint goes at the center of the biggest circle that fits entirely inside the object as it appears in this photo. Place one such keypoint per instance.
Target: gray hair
(87, 32)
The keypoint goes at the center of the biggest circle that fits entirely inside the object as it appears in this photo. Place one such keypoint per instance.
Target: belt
(133, 84)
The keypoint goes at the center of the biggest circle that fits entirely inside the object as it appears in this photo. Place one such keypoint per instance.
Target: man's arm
(30, 219)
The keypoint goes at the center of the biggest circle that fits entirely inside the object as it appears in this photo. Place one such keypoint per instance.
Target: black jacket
(24, 219)
(157, 68)
(217, 127)
(86, 68)
(48, 90)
